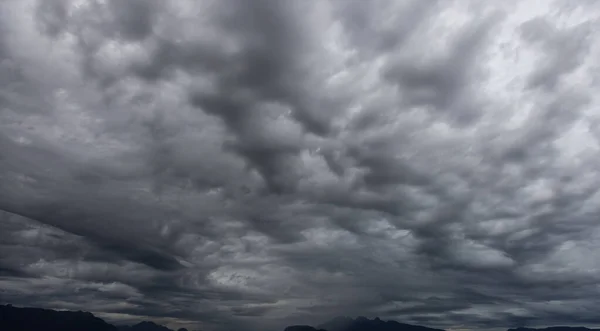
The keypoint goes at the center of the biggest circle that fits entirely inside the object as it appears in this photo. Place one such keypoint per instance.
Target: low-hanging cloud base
(255, 164)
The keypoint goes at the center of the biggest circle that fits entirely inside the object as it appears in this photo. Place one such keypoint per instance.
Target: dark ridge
(555, 328)
(36, 319)
(364, 324)
(144, 326)
(301, 328)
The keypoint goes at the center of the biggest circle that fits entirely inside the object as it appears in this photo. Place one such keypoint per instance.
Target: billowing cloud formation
(253, 164)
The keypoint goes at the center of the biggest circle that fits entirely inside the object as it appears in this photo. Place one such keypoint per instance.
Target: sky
(249, 165)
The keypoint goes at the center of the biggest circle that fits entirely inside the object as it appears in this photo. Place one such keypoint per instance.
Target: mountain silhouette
(37, 319)
(301, 328)
(361, 324)
(364, 324)
(144, 326)
(555, 328)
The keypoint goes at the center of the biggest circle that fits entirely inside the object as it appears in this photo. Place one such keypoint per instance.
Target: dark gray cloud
(254, 164)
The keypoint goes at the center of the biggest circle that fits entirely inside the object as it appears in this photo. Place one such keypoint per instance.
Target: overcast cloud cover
(253, 164)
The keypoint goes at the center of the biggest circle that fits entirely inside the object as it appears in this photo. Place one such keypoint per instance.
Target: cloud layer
(253, 164)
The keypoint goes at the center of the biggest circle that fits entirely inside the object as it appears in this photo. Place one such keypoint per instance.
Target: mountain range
(38, 319)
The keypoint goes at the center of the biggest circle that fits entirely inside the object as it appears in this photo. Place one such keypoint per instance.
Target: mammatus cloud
(255, 164)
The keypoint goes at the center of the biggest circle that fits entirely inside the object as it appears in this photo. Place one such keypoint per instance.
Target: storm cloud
(247, 165)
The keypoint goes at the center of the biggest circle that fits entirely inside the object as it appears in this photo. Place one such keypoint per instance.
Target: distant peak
(299, 328)
(362, 323)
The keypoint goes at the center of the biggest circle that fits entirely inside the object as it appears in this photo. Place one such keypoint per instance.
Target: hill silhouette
(38, 319)
(363, 324)
(144, 326)
(301, 328)
(360, 324)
